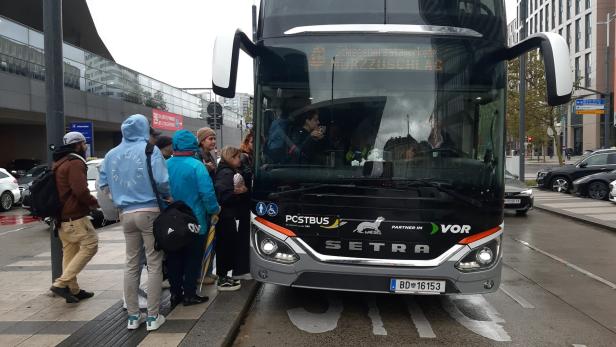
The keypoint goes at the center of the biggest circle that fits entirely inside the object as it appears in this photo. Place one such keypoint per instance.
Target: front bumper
(309, 272)
(526, 203)
(543, 181)
(16, 195)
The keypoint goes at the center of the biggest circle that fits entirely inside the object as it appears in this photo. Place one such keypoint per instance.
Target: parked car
(19, 167)
(9, 191)
(518, 196)
(612, 193)
(560, 179)
(595, 186)
(26, 181)
(98, 219)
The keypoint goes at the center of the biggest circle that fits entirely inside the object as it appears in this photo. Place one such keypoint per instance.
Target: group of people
(183, 168)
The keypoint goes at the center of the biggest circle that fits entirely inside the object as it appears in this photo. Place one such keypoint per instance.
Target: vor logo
(370, 228)
(450, 228)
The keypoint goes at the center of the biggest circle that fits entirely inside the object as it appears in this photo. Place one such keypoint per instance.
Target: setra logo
(450, 228)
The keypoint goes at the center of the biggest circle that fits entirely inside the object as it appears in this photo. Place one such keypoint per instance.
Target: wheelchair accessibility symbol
(272, 210)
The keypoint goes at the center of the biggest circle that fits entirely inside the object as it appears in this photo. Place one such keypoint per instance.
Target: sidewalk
(31, 316)
(600, 213)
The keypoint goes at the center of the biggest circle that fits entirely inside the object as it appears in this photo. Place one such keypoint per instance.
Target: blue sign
(261, 208)
(581, 102)
(272, 210)
(84, 128)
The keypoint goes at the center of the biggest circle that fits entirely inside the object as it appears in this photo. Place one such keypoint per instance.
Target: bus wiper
(461, 197)
(309, 188)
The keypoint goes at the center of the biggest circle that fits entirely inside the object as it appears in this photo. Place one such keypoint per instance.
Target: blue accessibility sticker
(261, 208)
(272, 210)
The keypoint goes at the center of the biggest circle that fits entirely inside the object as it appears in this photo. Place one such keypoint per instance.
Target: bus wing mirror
(555, 53)
(226, 57)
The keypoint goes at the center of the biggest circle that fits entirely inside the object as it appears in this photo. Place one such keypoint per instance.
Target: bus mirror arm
(225, 61)
(555, 52)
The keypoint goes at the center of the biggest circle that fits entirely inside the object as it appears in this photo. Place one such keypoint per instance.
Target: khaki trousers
(79, 245)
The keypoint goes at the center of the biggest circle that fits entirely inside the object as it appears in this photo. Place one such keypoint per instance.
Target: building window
(560, 32)
(588, 70)
(578, 34)
(569, 5)
(569, 35)
(560, 11)
(541, 20)
(577, 70)
(578, 4)
(536, 23)
(588, 34)
(588, 4)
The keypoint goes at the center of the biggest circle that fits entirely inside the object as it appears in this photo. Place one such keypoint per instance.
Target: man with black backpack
(79, 239)
(125, 173)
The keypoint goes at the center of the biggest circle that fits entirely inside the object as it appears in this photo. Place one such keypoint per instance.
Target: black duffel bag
(176, 226)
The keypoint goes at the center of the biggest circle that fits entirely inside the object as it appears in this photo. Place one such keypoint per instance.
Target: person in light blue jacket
(124, 175)
(190, 183)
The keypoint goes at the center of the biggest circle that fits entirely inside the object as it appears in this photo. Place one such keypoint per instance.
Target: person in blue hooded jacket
(190, 183)
(124, 175)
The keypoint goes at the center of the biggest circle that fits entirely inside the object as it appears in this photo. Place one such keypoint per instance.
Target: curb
(581, 219)
(220, 323)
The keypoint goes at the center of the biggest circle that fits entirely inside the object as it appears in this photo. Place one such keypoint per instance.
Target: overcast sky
(172, 41)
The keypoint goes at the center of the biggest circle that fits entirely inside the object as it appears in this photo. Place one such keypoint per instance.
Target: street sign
(590, 106)
(87, 130)
(214, 108)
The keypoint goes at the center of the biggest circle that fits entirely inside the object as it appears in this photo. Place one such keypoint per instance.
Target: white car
(612, 194)
(9, 190)
(93, 175)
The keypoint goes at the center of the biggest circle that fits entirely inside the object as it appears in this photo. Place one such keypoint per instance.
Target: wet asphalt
(558, 290)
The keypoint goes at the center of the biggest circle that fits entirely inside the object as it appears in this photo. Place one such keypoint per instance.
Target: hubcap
(560, 185)
(597, 191)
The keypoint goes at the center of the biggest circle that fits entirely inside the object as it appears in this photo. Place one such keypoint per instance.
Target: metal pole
(522, 130)
(54, 92)
(608, 108)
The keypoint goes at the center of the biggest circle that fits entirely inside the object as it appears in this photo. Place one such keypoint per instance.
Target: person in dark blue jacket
(190, 183)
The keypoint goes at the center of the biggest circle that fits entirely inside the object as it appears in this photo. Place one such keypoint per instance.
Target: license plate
(416, 286)
(513, 201)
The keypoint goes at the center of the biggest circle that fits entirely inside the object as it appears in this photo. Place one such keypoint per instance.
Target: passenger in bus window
(307, 138)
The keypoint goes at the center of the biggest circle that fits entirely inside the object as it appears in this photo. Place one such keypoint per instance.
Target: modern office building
(97, 89)
(582, 24)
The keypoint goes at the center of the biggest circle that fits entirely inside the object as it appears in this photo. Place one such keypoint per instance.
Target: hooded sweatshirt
(190, 181)
(125, 169)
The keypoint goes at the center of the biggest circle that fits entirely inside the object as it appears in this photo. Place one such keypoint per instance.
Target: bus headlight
(273, 249)
(480, 258)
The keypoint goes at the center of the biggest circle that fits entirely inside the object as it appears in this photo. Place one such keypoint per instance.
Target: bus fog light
(489, 284)
(263, 274)
(485, 256)
(268, 247)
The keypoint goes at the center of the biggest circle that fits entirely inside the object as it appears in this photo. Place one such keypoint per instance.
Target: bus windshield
(395, 110)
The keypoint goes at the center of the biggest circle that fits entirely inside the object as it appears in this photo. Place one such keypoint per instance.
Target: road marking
(516, 297)
(424, 329)
(576, 345)
(12, 231)
(489, 329)
(317, 323)
(577, 204)
(375, 317)
(574, 267)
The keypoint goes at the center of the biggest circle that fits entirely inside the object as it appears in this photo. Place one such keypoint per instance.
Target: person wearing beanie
(207, 143)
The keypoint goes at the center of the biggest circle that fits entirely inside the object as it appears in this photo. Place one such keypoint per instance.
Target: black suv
(559, 179)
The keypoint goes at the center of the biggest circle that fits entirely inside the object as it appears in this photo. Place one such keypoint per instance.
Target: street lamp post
(608, 106)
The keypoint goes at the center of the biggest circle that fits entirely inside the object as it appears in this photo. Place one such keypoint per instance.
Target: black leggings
(184, 267)
(226, 246)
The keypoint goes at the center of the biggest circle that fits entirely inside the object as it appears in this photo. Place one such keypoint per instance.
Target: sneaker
(82, 295)
(134, 321)
(195, 300)
(65, 293)
(153, 323)
(226, 284)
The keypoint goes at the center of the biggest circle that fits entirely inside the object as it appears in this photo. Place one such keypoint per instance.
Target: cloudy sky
(172, 41)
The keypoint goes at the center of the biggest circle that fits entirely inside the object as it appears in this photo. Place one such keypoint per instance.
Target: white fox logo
(170, 231)
(371, 228)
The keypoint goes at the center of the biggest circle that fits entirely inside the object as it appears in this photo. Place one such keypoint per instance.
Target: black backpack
(44, 198)
(176, 226)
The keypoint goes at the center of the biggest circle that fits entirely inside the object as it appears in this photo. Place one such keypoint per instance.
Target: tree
(539, 115)
(156, 101)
